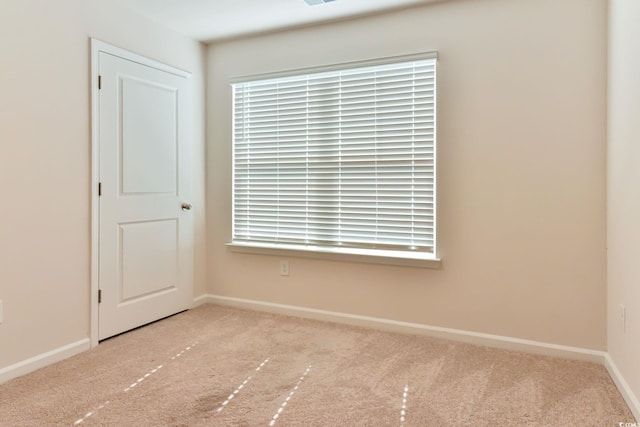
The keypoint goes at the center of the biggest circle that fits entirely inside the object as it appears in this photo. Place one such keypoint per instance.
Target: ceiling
(210, 20)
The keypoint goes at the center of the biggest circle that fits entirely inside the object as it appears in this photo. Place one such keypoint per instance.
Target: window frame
(378, 256)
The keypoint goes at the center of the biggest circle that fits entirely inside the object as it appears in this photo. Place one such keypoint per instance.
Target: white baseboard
(496, 341)
(44, 359)
(623, 387)
(202, 299)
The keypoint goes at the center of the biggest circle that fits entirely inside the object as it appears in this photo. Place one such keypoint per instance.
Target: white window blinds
(337, 159)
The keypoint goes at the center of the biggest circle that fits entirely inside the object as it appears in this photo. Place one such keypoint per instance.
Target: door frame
(97, 47)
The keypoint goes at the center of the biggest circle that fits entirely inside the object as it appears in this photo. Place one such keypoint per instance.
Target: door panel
(145, 238)
(149, 139)
(149, 257)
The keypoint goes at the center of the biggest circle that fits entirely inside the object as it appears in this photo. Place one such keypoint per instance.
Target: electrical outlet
(284, 268)
(623, 317)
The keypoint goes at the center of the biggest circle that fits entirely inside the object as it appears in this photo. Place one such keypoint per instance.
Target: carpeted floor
(220, 366)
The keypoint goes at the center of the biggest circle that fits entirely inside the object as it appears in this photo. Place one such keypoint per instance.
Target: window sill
(408, 259)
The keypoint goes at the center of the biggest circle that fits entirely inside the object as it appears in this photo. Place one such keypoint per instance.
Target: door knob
(186, 206)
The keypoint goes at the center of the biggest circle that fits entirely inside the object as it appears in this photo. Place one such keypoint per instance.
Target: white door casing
(143, 239)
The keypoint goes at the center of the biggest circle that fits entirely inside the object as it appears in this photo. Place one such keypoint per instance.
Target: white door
(145, 220)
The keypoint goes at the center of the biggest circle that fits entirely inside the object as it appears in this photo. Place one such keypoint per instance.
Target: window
(338, 160)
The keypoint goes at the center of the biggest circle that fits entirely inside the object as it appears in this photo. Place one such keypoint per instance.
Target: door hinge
(99, 189)
(99, 82)
(99, 296)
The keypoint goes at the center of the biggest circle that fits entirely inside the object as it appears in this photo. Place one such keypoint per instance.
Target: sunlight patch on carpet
(183, 351)
(133, 385)
(90, 414)
(286, 401)
(403, 410)
(142, 378)
(240, 387)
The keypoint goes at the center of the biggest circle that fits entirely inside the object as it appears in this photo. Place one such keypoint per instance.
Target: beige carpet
(219, 366)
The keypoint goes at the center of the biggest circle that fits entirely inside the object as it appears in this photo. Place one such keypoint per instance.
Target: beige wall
(522, 126)
(45, 150)
(624, 190)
